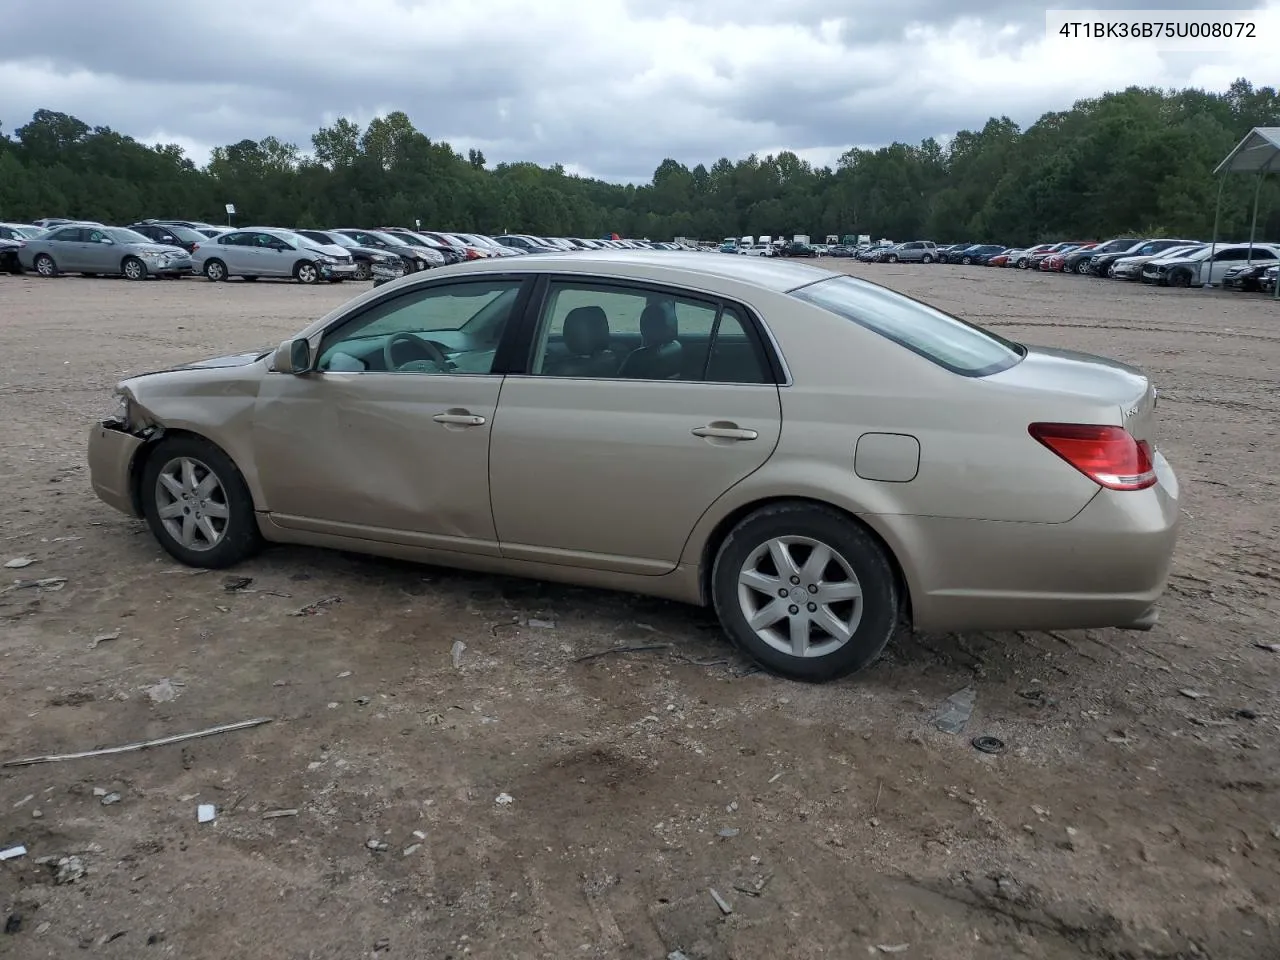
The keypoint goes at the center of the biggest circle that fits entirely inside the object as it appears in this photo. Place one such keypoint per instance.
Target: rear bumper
(1106, 567)
(111, 455)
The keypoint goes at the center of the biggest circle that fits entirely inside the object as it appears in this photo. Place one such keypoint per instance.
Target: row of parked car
(1156, 260)
(176, 248)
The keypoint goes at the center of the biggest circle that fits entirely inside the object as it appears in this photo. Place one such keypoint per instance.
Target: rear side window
(952, 343)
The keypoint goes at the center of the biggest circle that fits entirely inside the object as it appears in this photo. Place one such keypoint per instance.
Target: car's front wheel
(891, 258)
(805, 591)
(306, 272)
(134, 269)
(362, 270)
(45, 266)
(927, 258)
(1082, 268)
(197, 504)
(215, 270)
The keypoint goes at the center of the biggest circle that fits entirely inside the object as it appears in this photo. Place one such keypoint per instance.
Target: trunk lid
(1093, 379)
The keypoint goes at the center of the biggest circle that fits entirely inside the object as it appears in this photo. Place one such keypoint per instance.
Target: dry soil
(1133, 814)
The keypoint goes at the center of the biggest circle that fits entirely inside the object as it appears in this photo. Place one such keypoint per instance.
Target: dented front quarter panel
(214, 400)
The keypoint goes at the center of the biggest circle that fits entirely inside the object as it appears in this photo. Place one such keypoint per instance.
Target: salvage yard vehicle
(816, 457)
(95, 250)
(271, 252)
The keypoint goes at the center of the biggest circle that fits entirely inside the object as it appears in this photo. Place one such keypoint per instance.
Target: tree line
(1137, 161)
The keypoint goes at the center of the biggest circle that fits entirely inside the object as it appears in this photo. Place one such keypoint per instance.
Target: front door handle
(718, 431)
(459, 419)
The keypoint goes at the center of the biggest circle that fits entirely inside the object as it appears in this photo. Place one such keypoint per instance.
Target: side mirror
(293, 356)
(106, 240)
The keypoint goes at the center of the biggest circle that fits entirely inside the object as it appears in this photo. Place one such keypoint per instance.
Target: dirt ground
(1135, 812)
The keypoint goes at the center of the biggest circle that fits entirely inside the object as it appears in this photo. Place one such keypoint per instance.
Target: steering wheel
(429, 348)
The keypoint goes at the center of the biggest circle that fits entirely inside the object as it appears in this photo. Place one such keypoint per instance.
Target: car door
(394, 451)
(231, 249)
(65, 246)
(1224, 260)
(99, 253)
(639, 407)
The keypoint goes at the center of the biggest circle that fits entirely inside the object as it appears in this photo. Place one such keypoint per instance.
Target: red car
(999, 260)
(1057, 262)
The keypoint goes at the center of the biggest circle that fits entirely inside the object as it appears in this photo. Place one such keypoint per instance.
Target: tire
(1111, 272)
(967, 261)
(45, 266)
(215, 270)
(1082, 268)
(1180, 278)
(927, 258)
(1022, 264)
(236, 536)
(133, 269)
(873, 617)
(892, 258)
(304, 271)
(363, 270)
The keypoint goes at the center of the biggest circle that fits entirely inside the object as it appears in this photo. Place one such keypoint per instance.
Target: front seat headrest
(586, 331)
(658, 324)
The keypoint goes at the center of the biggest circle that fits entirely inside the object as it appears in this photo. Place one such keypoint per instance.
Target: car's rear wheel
(133, 269)
(45, 266)
(1082, 267)
(197, 504)
(805, 591)
(967, 261)
(306, 272)
(891, 258)
(215, 270)
(927, 258)
(1180, 278)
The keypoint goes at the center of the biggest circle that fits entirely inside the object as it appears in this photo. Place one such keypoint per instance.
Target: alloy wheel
(800, 596)
(192, 503)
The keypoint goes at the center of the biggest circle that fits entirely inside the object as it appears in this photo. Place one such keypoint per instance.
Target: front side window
(442, 329)
(605, 331)
(952, 343)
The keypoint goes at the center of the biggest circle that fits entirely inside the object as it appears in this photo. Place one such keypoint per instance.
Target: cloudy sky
(607, 87)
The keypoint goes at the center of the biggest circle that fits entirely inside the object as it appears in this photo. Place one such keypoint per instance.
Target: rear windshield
(948, 341)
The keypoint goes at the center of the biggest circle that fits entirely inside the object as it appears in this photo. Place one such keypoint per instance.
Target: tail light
(1107, 455)
(472, 253)
(195, 247)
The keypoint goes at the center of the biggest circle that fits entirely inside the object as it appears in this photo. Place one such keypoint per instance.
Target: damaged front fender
(113, 450)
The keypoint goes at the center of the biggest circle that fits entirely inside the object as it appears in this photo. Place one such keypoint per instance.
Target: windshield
(27, 232)
(340, 240)
(952, 343)
(125, 235)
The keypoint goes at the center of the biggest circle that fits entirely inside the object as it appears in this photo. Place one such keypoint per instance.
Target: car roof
(778, 276)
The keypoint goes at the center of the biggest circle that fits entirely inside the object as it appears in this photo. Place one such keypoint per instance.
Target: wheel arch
(138, 466)
(722, 529)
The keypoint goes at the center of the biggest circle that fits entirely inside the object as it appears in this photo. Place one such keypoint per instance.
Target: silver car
(106, 251)
(914, 251)
(255, 252)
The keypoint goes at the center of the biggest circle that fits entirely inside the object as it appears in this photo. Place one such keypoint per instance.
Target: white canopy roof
(1259, 151)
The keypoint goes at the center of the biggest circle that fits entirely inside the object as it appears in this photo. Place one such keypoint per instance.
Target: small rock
(43, 928)
(36, 814)
(344, 674)
(504, 799)
(99, 792)
(1191, 694)
(233, 584)
(163, 692)
(105, 637)
(17, 563)
(70, 869)
(363, 701)
(1247, 714)
(110, 798)
(381, 945)
(874, 821)
(154, 939)
(1039, 811)
(13, 924)
(895, 948)
(543, 624)
(411, 849)
(206, 812)
(377, 846)
(458, 649)
(729, 831)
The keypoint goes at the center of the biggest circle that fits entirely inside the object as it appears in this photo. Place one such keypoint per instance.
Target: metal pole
(1254, 228)
(1217, 216)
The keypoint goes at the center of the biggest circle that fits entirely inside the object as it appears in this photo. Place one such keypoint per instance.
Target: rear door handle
(725, 433)
(460, 419)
